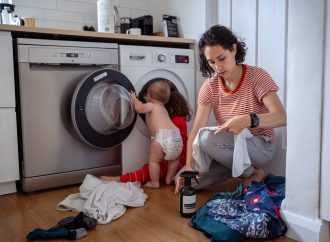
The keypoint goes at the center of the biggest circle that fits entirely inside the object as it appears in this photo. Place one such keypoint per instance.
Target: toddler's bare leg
(156, 155)
(110, 178)
(257, 175)
(172, 169)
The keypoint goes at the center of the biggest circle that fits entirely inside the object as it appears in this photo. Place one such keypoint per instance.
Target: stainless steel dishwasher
(74, 111)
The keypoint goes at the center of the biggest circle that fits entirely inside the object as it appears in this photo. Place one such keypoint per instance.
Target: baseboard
(7, 187)
(305, 229)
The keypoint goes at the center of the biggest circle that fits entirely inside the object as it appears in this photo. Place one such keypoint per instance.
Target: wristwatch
(254, 120)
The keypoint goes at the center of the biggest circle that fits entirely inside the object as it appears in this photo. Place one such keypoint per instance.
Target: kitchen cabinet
(9, 171)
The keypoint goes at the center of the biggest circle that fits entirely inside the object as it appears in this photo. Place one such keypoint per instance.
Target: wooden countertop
(24, 31)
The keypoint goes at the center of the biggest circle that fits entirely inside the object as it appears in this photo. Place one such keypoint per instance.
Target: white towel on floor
(241, 159)
(104, 201)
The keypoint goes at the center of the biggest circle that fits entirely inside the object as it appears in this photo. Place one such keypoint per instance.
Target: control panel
(65, 52)
(172, 57)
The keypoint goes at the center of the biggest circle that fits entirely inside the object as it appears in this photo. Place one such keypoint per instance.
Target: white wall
(74, 14)
(271, 55)
(191, 15)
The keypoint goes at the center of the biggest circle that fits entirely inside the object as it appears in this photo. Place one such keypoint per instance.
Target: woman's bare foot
(152, 184)
(110, 178)
(257, 175)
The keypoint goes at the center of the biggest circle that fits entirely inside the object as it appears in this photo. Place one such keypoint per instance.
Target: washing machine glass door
(102, 110)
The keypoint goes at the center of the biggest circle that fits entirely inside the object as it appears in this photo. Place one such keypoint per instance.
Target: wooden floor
(157, 221)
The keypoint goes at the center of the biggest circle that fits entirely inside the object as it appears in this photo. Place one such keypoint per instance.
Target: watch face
(254, 120)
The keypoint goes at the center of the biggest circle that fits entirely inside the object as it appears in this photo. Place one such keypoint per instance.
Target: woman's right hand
(178, 184)
(180, 180)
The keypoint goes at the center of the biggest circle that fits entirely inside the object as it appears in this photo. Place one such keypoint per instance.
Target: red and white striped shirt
(247, 98)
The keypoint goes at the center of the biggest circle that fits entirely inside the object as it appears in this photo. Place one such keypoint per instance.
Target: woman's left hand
(234, 125)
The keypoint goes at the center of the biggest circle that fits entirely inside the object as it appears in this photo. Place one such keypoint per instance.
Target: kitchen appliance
(145, 23)
(74, 111)
(144, 65)
(6, 10)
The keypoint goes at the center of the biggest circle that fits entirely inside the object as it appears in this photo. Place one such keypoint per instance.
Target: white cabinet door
(7, 90)
(9, 170)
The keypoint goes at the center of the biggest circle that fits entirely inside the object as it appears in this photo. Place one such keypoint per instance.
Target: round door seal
(78, 112)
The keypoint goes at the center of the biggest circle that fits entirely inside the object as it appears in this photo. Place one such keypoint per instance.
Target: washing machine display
(144, 65)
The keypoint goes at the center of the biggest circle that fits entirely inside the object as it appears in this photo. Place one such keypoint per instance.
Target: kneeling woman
(240, 96)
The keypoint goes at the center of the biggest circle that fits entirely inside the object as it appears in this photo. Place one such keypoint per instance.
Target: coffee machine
(6, 11)
(145, 23)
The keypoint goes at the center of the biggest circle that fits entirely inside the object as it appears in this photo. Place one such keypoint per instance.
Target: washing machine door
(102, 110)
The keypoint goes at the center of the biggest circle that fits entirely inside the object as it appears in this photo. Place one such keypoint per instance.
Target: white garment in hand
(104, 201)
(241, 159)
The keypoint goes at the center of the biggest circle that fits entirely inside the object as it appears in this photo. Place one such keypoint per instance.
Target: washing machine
(74, 111)
(143, 65)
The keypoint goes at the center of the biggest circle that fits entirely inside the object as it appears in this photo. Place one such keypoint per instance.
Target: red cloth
(142, 175)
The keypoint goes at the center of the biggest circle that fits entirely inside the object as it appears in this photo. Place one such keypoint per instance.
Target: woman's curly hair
(219, 35)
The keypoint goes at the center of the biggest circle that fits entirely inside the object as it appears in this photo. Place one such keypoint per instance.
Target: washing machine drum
(102, 110)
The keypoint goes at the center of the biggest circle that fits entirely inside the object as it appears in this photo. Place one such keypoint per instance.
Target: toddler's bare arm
(139, 106)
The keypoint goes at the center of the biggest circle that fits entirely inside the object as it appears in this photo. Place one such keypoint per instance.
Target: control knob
(161, 58)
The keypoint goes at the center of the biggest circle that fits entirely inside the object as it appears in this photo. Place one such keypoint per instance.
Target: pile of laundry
(249, 212)
(102, 200)
(98, 202)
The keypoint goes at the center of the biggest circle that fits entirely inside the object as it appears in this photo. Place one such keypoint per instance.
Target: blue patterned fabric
(259, 198)
(235, 214)
(217, 231)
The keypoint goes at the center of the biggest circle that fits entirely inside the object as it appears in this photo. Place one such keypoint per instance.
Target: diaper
(171, 142)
